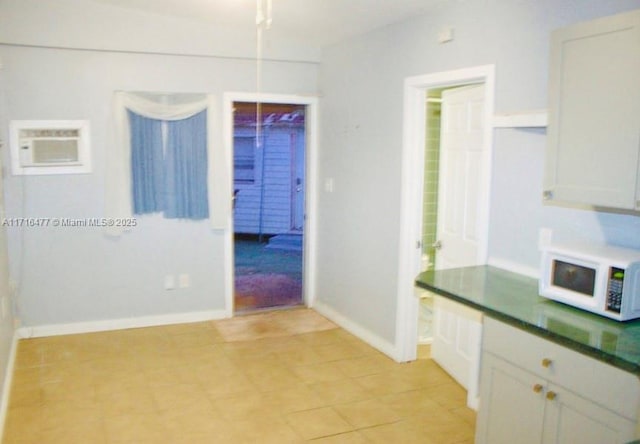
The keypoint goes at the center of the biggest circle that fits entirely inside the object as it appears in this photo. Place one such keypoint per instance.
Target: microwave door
(576, 282)
(574, 277)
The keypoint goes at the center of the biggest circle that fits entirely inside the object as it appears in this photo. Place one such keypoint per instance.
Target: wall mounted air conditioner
(49, 147)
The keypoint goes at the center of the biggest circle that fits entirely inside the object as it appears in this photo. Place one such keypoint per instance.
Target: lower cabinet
(535, 391)
(510, 409)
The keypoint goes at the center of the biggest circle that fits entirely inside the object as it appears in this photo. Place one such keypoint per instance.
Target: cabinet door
(571, 418)
(511, 404)
(594, 113)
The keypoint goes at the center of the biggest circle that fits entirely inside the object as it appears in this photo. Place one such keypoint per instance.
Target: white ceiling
(316, 22)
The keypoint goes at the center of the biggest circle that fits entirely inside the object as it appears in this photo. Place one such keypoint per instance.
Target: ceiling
(315, 22)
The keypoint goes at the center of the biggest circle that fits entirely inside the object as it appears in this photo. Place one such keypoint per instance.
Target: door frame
(413, 147)
(311, 160)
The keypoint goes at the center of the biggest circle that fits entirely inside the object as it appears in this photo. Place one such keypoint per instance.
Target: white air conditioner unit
(49, 146)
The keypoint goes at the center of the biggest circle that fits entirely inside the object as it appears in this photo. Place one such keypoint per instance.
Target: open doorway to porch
(269, 165)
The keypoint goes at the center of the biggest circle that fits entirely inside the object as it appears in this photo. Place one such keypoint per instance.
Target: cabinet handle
(551, 395)
(538, 388)
(546, 362)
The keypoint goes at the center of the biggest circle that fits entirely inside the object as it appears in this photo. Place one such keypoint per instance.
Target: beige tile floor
(297, 379)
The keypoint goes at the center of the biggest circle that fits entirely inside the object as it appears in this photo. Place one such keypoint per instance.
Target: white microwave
(601, 279)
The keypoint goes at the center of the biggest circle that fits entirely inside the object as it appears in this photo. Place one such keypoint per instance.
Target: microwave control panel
(614, 292)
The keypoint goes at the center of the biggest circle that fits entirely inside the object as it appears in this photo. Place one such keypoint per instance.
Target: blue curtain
(186, 169)
(147, 169)
(174, 179)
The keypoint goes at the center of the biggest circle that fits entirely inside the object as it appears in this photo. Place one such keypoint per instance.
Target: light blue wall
(73, 274)
(361, 138)
(85, 24)
(79, 276)
(6, 312)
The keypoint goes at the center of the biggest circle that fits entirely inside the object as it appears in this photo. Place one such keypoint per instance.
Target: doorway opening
(452, 174)
(269, 166)
(418, 243)
(433, 111)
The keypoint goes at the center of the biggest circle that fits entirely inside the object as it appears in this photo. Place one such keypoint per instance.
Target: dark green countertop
(514, 299)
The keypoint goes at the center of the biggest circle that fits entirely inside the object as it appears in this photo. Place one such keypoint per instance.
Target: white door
(298, 144)
(460, 177)
(457, 329)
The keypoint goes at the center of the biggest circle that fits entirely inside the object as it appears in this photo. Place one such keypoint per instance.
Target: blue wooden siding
(276, 156)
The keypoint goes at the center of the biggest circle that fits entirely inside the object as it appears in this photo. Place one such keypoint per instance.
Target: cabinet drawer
(597, 381)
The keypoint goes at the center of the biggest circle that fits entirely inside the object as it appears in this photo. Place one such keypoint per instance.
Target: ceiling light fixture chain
(264, 19)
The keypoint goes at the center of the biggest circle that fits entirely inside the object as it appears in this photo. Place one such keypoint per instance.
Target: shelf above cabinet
(524, 119)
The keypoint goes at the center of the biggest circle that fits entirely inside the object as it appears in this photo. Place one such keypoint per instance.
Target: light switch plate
(328, 185)
(445, 34)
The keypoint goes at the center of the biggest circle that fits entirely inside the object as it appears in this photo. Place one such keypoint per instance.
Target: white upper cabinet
(593, 149)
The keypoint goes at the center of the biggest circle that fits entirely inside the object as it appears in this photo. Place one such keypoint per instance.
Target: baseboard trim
(119, 324)
(361, 332)
(514, 267)
(6, 384)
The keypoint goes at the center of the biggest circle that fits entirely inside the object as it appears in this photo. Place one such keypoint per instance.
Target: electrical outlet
(184, 281)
